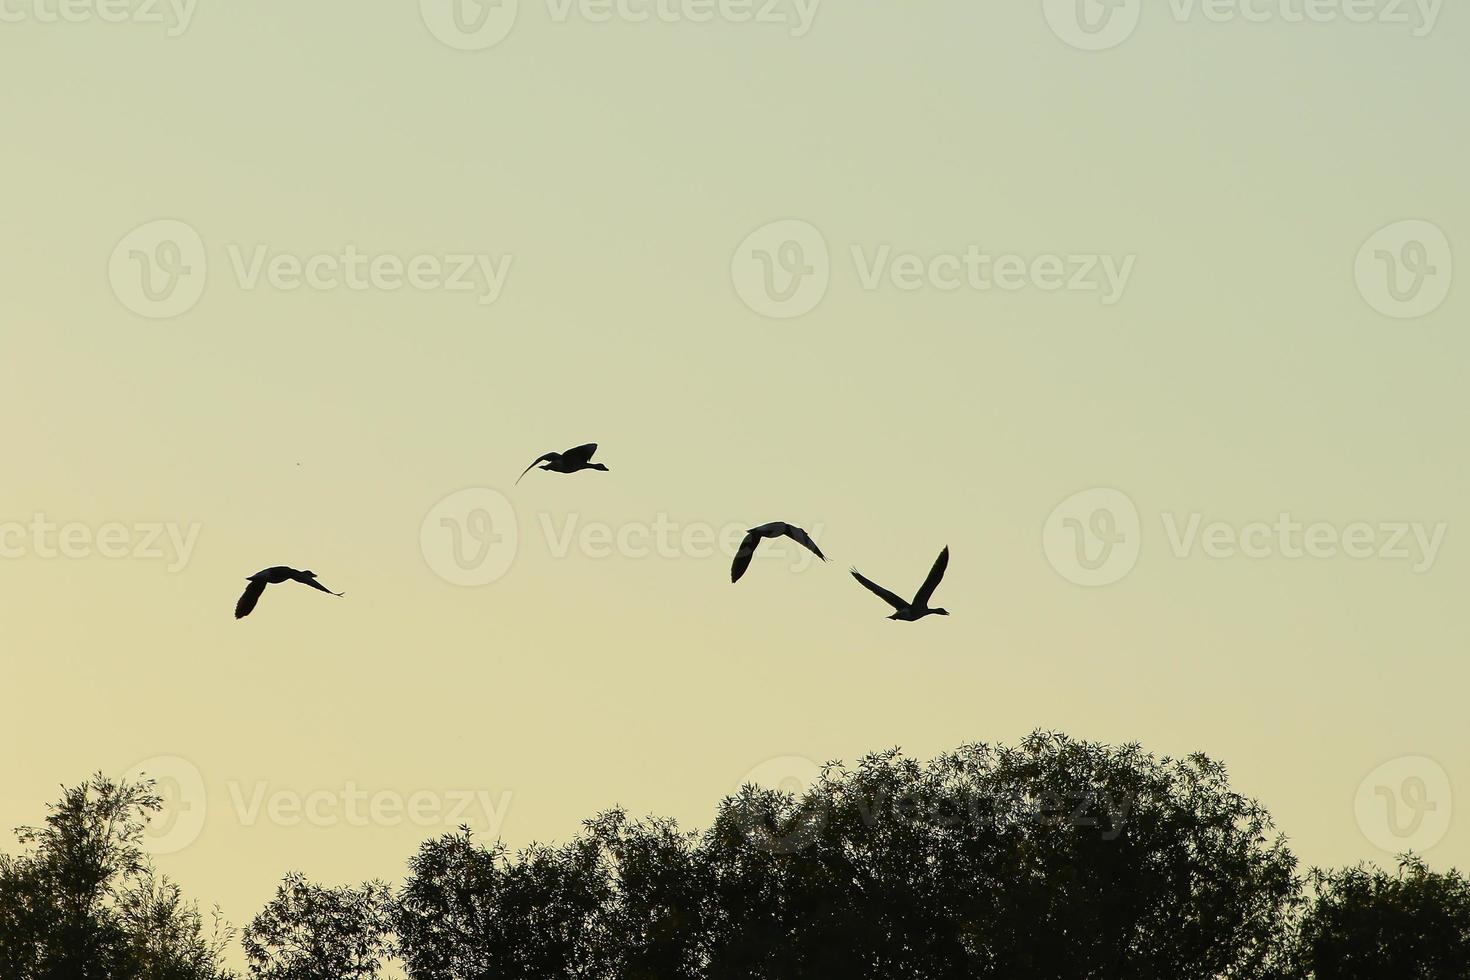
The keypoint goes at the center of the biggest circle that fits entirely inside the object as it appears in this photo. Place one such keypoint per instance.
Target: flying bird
(274, 576)
(570, 461)
(910, 612)
(775, 529)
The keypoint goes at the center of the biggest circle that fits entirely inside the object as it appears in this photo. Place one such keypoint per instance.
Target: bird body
(911, 612)
(274, 575)
(571, 461)
(776, 529)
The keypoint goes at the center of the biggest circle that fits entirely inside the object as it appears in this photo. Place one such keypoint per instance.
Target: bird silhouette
(570, 461)
(776, 529)
(274, 576)
(910, 612)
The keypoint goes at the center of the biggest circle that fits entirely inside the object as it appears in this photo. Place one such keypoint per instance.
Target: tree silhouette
(308, 932)
(85, 902)
(1365, 924)
(1054, 858)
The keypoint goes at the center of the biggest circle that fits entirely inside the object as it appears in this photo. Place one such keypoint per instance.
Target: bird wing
(879, 591)
(744, 555)
(249, 597)
(581, 454)
(318, 586)
(936, 574)
(805, 540)
(548, 457)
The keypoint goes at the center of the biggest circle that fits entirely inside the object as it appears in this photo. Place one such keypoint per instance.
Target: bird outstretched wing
(936, 574)
(547, 458)
(805, 540)
(249, 598)
(581, 454)
(879, 591)
(318, 586)
(744, 555)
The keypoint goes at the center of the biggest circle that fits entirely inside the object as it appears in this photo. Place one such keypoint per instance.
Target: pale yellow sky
(1193, 228)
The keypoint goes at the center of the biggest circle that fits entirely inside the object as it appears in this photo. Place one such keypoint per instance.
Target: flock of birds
(580, 458)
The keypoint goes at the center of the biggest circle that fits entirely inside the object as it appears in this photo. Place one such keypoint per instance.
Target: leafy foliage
(84, 901)
(1053, 858)
(308, 932)
(1366, 923)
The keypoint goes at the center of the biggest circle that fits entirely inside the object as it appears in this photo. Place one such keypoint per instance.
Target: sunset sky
(907, 275)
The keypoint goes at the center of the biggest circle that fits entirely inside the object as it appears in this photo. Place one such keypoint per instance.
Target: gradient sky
(1243, 374)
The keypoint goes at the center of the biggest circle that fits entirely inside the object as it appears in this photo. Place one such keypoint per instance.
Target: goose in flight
(274, 576)
(910, 612)
(775, 529)
(570, 461)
